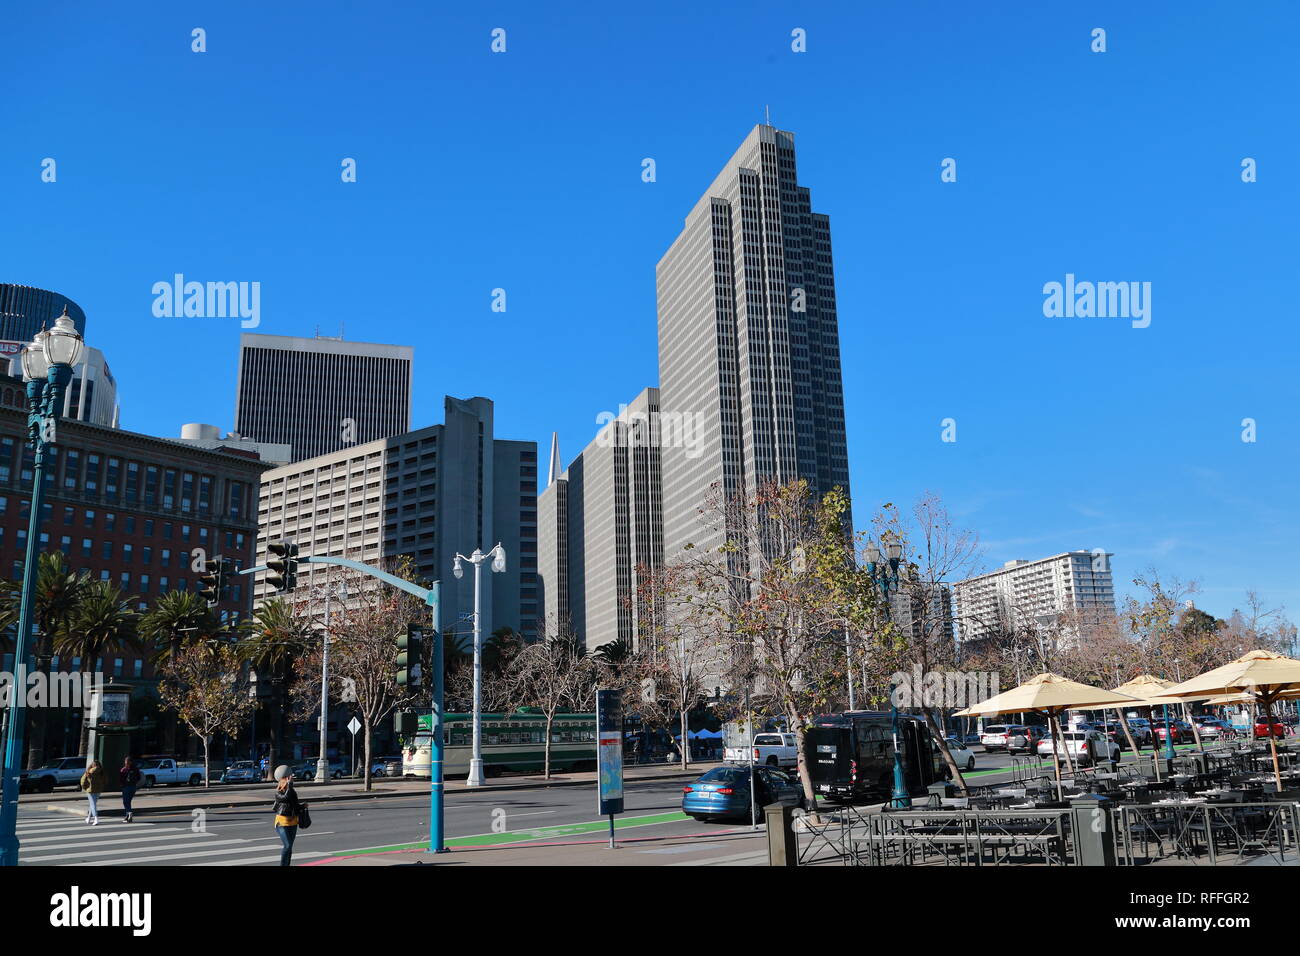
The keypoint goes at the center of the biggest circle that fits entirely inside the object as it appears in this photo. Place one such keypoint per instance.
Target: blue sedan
(724, 792)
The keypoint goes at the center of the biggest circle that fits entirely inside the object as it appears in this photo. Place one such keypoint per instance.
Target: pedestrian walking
(264, 765)
(129, 780)
(92, 785)
(286, 812)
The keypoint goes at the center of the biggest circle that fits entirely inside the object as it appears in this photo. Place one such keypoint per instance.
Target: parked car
(1115, 731)
(724, 792)
(386, 767)
(961, 755)
(1213, 729)
(241, 771)
(306, 769)
(1264, 729)
(1182, 731)
(769, 750)
(1024, 739)
(66, 771)
(169, 771)
(995, 736)
(1086, 747)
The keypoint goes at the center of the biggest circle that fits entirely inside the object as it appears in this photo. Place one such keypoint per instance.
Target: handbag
(304, 817)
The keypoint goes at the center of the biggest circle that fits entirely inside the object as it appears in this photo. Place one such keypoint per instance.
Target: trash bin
(1092, 829)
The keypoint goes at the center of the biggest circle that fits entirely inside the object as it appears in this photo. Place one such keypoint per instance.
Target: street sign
(354, 725)
(609, 754)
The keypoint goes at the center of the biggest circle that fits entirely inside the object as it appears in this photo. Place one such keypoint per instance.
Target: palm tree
(104, 621)
(57, 594)
(273, 639)
(174, 616)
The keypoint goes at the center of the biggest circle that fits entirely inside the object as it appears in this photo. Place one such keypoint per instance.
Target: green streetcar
(514, 742)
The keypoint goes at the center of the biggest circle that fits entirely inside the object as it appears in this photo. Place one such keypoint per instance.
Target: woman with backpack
(290, 812)
(129, 780)
(92, 785)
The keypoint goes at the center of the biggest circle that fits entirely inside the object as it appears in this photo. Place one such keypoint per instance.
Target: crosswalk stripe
(47, 857)
(248, 860)
(53, 825)
(63, 841)
(247, 845)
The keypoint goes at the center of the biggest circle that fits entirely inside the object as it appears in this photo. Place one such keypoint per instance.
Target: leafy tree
(176, 618)
(271, 640)
(206, 684)
(552, 675)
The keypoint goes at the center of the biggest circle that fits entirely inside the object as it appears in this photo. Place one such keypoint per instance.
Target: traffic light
(215, 577)
(406, 723)
(410, 647)
(284, 566)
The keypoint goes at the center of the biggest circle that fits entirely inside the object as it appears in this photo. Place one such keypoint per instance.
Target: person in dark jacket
(129, 780)
(286, 812)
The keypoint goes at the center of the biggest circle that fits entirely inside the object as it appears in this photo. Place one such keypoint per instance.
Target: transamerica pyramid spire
(556, 467)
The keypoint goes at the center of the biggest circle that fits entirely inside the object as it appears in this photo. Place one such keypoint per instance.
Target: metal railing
(964, 838)
(1216, 833)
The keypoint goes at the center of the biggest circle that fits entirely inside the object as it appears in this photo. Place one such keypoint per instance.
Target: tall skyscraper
(321, 395)
(600, 531)
(24, 311)
(749, 339)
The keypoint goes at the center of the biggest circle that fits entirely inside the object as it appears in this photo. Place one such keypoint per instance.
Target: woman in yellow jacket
(287, 807)
(92, 785)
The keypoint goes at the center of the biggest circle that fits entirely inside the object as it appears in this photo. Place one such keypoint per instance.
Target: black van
(850, 756)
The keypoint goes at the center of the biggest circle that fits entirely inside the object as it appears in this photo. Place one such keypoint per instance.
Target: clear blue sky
(522, 171)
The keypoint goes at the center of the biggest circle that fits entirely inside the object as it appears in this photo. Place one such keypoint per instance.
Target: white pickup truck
(165, 770)
(768, 750)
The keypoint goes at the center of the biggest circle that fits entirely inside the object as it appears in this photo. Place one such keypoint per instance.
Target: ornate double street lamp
(885, 575)
(47, 370)
(498, 556)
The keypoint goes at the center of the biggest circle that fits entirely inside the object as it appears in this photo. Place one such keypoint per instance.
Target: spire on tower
(556, 467)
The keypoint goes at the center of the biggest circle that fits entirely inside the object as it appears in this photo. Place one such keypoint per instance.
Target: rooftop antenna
(767, 114)
(340, 330)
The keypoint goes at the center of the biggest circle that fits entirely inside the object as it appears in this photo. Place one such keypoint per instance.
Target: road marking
(49, 857)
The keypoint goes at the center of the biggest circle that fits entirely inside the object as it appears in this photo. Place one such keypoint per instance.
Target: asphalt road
(245, 836)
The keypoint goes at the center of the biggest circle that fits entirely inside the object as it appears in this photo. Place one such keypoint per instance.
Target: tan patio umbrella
(1265, 675)
(1151, 690)
(1050, 693)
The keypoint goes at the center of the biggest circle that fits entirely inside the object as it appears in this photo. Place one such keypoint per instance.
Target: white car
(962, 755)
(1085, 747)
(769, 749)
(998, 736)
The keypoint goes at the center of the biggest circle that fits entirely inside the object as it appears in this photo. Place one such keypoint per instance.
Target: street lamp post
(322, 760)
(498, 556)
(885, 575)
(47, 369)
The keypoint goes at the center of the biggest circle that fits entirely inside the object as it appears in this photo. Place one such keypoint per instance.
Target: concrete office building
(24, 311)
(427, 493)
(1038, 593)
(209, 436)
(924, 613)
(749, 336)
(321, 395)
(601, 530)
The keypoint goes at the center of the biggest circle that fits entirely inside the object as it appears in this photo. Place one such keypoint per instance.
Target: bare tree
(553, 676)
(935, 555)
(207, 685)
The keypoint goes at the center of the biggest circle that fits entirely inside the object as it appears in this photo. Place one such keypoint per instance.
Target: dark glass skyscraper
(321, 395)
(24, 311)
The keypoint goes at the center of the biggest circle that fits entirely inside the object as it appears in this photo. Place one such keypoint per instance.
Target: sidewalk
(172, 799)
(725, 848)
